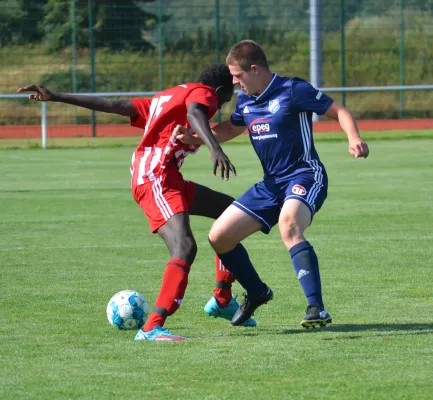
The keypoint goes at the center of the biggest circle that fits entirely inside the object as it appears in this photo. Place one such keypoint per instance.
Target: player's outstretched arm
(121, 107)
(357, 146)
(198, 119)
(226, 131)
(223, 133)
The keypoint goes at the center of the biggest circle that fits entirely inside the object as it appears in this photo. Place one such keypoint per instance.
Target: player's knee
(190, 246)
(216, 240)
(186, 249)
(219, 242)
(290, 231)
(213, 238)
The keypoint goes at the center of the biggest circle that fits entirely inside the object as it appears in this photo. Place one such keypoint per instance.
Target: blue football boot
(213, 309)
(159, 334)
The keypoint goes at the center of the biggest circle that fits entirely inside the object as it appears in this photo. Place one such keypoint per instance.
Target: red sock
(223, 287)
(170, 296)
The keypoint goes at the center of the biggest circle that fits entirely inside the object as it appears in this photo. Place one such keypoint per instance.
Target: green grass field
(98, 142)
(72, 236)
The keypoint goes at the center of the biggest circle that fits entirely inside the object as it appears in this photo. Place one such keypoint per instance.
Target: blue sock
(238, 263)
(306, 265)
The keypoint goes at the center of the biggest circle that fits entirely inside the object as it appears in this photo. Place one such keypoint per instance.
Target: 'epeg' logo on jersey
(260, 125)
(299, 190)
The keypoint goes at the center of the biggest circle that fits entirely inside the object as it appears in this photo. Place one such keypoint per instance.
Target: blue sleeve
(308, 98)
(237, 118)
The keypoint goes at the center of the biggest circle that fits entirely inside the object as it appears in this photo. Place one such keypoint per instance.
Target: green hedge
(372, 59)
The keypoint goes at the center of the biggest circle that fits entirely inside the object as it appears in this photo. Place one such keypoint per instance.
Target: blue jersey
(279, 123)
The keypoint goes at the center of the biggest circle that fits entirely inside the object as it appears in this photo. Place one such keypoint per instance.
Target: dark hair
(247, 53)
(217, 75)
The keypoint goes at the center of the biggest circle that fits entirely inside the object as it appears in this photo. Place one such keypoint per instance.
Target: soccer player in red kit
(158, 186)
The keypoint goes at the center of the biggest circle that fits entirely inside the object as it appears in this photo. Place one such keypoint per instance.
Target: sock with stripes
(223, 286)
(170, 296)
(306, 266)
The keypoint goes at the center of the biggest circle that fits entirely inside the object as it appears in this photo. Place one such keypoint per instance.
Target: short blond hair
(246, 53)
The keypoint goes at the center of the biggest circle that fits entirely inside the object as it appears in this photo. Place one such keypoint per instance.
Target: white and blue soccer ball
(127, 310)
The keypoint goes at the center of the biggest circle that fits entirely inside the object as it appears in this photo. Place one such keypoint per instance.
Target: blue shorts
(264, 200)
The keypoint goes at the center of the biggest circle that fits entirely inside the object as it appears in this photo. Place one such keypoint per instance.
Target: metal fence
(129, 45)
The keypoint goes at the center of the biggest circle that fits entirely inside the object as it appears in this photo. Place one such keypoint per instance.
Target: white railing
(147, 94)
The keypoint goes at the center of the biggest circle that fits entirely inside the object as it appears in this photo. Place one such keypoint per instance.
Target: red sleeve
(205, 96)
(142, 106)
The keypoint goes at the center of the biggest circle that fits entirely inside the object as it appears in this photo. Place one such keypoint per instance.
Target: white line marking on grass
(80, 247)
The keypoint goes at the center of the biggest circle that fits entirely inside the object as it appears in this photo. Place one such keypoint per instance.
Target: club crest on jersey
(274, 106)
(299, 190)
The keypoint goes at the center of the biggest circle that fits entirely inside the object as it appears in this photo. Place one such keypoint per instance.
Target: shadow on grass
(366, 330)
(386, 331)
(383, 330)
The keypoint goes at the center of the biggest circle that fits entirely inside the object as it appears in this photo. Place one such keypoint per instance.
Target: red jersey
(158, 117)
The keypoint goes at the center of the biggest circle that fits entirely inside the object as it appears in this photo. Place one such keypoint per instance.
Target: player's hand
(220, 160)
(181, 133)
(185, 135)
(358, 148)
(42, 93)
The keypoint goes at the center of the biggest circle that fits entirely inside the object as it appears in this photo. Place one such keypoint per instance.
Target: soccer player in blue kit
(278, 114)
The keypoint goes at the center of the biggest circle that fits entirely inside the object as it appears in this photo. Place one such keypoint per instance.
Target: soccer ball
(127, 310)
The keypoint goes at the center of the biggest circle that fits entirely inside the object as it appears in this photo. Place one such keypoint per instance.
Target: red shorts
(164, 197)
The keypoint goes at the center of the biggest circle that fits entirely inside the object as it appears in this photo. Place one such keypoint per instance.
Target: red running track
(58, 131)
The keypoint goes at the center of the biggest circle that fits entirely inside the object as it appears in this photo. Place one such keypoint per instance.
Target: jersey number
(155, 110)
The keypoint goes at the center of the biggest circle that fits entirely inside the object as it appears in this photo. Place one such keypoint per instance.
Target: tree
(118, 24)
(19, 21)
